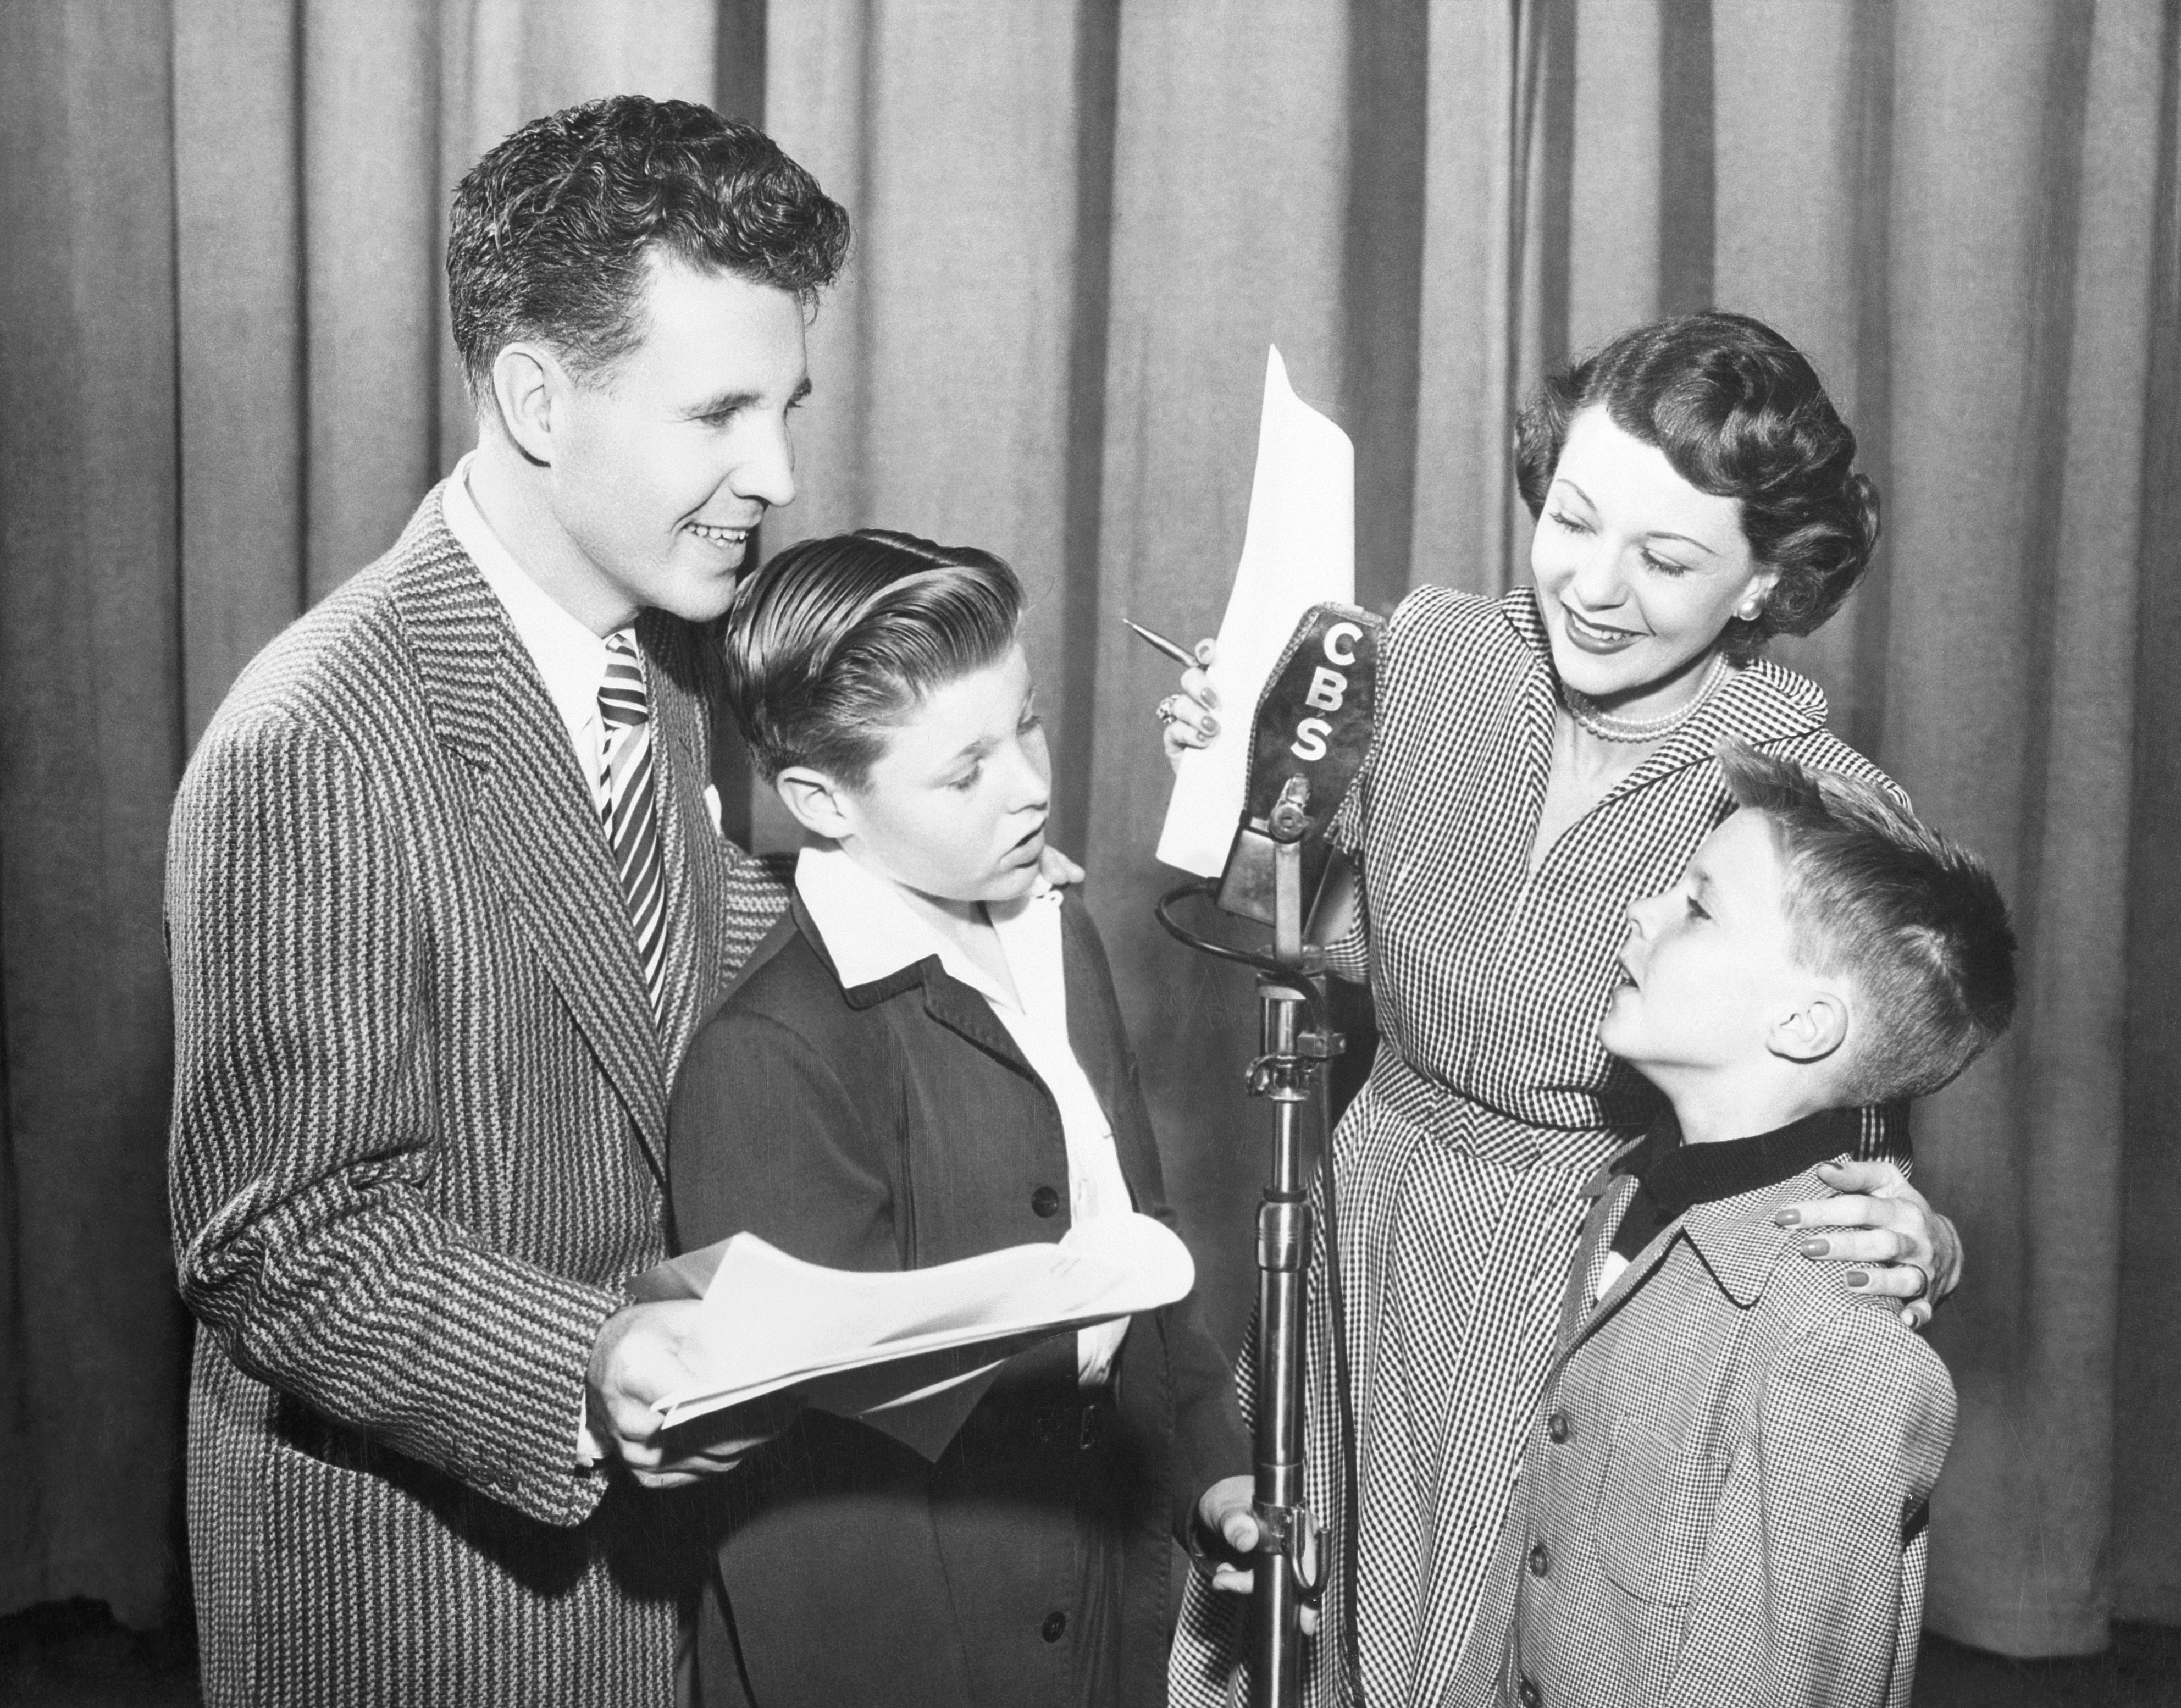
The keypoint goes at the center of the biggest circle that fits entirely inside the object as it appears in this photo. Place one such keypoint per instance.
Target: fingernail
(1208, 726)
(1815, 1248)
(1856, 1277)
(1787, 1219)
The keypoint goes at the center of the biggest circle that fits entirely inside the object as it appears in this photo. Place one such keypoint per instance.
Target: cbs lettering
(1329, 688)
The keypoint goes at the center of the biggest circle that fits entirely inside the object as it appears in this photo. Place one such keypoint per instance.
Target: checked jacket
(1724, 1496)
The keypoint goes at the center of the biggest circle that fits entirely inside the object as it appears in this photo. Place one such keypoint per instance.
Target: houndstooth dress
(1459, 1168)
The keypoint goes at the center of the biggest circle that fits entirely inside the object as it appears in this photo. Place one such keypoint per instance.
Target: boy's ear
(1814, 1028)
(817, 802)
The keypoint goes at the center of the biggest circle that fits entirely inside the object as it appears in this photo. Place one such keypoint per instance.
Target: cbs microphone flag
(1297, 550)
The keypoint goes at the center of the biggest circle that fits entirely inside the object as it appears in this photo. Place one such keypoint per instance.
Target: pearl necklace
(1607, 728)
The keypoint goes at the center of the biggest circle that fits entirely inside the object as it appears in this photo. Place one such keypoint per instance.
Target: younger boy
(1723, 1497)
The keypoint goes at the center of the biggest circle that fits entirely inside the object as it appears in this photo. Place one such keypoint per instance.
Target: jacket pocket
(1655, 1513)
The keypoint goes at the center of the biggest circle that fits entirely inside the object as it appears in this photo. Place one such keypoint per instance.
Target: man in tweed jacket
(422, 1064)
(1707, 1511)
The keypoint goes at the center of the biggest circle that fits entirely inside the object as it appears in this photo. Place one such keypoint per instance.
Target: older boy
(1706, 1513)
(926, 1061)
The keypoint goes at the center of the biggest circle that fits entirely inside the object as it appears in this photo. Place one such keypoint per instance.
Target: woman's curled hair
(1740, 413)
(834, 639)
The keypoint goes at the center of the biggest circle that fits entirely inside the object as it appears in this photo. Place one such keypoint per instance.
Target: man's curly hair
(552, 231)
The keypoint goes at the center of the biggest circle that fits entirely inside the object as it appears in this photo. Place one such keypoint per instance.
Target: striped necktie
(631, 811)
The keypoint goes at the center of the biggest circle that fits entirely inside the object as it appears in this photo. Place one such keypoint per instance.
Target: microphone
(1313, 726)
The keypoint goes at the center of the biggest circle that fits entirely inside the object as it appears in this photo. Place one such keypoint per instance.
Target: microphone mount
(1308, 740)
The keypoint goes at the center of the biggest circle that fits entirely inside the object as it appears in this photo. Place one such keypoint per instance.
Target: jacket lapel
(678, 762)
(1734, 1238)
(946, 999)
(965, 1011)
(1610, 1195)
(1737, 1240)
(536, 836)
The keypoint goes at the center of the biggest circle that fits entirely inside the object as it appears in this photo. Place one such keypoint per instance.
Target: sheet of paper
(1298, 550)
(894, 1346)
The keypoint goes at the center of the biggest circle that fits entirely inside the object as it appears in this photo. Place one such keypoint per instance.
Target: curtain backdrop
(225, 379)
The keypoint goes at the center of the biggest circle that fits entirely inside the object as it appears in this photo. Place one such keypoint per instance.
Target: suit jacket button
(1558, 1426)
(1047, 1203)
(1055, 1624)
(1540, 1560)
(1532, 1696)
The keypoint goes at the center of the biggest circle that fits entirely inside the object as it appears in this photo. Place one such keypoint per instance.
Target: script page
(1297, 550)
(874, 1344)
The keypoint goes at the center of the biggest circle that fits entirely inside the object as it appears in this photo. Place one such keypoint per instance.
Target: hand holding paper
(903, 1350)
(645, 1350)
(1297, 550)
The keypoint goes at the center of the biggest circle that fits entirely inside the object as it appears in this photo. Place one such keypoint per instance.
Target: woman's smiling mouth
(1595, 637)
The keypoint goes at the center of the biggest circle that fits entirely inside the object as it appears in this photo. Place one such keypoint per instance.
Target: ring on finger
(1167, 713)
(1922, 1279)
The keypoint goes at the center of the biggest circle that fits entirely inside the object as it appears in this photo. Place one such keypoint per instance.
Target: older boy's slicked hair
(1914, 921)
(834, 639)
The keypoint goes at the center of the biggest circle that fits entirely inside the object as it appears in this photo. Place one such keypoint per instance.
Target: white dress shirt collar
(571, 658)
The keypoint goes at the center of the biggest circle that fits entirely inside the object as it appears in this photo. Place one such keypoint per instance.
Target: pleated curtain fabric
(227, 379)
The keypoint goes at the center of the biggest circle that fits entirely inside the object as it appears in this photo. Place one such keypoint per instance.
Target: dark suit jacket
(1724, 1495)
(893, 1126)
(418, 1146)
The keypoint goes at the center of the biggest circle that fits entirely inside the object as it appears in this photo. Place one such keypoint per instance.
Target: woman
(1541, 759)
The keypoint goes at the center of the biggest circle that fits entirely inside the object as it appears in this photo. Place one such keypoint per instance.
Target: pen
(1172, 649)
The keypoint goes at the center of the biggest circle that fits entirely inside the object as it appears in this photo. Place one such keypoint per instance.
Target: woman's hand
(1192, 716)
(1912, 1251)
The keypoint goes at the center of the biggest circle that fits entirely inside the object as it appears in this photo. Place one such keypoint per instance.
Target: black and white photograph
(1068, 854)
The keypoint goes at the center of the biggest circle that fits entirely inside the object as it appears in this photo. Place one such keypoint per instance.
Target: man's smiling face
(664, 462)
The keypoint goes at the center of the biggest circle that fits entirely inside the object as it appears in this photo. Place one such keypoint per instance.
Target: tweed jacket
(1723, 1496)
(893, 1126)
(418, 1146)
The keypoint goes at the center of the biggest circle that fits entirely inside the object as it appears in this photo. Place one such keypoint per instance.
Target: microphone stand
(1295, 1040)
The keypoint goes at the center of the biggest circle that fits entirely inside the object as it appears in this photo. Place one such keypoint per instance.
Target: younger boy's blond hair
(1911, 920)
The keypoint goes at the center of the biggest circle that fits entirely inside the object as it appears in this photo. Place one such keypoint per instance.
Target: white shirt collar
(872, 934)
(571, 658)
